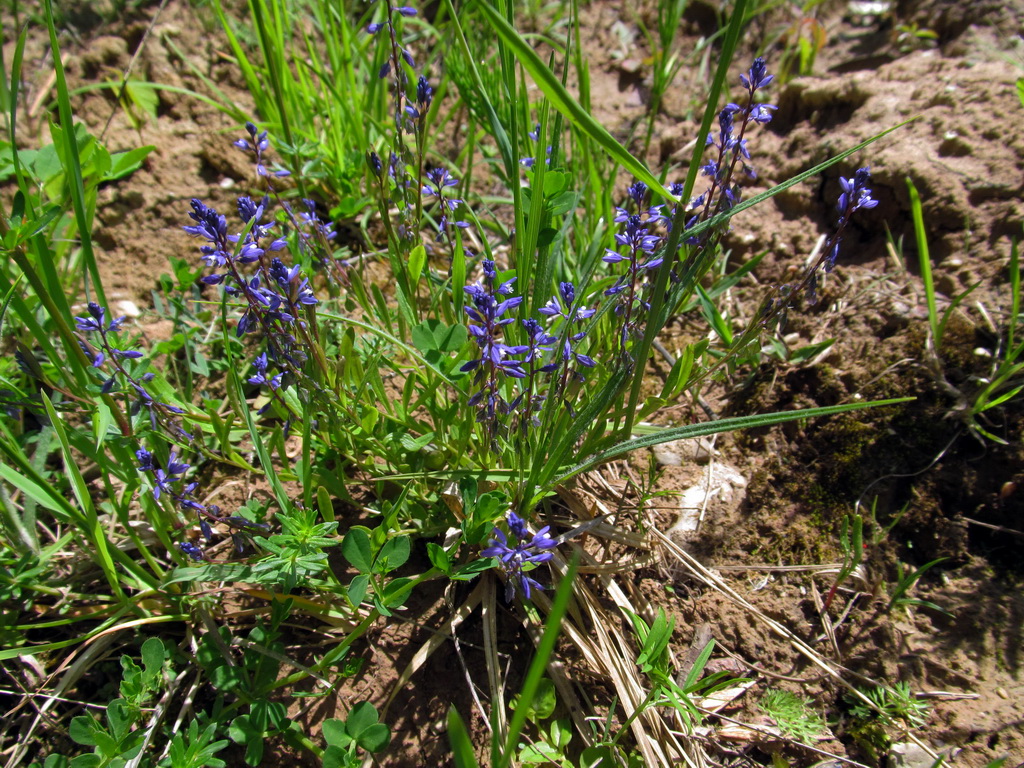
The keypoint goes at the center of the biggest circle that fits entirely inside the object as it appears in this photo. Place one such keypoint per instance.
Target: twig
(777, 737)
(999, 528)
(131, 65)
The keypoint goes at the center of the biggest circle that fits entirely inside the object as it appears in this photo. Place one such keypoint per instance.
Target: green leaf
(805, 353)
(336, 757)
(83, 730)
(439, 558)
(473, 569)
(357, 589)
(462, 748)
(120, 719)
(335, 733)
(126, 163)
(356, 549)
(215, 572)
(434, 336)
(397, 592)
(417, 260)
(392, 555)
(543, 704)
(143, 96)
(713, 427)
(375, 738)
(555, 182)
(413, 444)
(153, 656)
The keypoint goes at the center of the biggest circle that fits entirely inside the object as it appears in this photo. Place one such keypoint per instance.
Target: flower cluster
(112, 364)
(440, 179)
(256, 145)
(169, 483)
(488, 306)
(250, 266)
(410, 113)
(529, 162)
(642, 245)
(855, 196)
(517, 560)
(731, 143)
(564, 305)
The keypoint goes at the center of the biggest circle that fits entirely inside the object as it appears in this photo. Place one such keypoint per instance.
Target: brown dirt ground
(964, 151)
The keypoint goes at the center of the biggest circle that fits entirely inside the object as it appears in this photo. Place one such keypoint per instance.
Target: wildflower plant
(452, 402)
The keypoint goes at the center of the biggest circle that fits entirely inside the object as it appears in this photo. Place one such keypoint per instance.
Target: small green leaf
(375, 738)
(357, 589)
(417, 260)
(555, 182)
(126, 163)
(361, 717)
(413, 444)
(83, 730)
(356, 549)
(153, 656)
(563, 203)
(397, 592)
(393, 554)
(439, 558)
(544, 701)
(335, 733)
(434, 336)
(336, 757)
(120, 719)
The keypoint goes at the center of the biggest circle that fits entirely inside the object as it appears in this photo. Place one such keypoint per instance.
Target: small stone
(127, 308)
(719, 483)
(675, 453)
(909, 755)
(1001, 693)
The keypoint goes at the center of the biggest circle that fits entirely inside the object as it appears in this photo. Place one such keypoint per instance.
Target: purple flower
(95, 320)
(424, 93)
(757, 77)
(441, 179)
(517, 560)
(192, 551)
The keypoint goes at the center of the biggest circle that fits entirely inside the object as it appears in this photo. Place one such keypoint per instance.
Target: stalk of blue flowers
(517, 560)
(263, 308)
(394, 65)
(564, 307)
(641, 256)
(169, 484)
(296, 292)
(103, 353)
(723, 194)
(539, 344)
(440, 179)
(274, 296)
(313, 233)
(855, 196)
(417, 114)
(487, 306)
